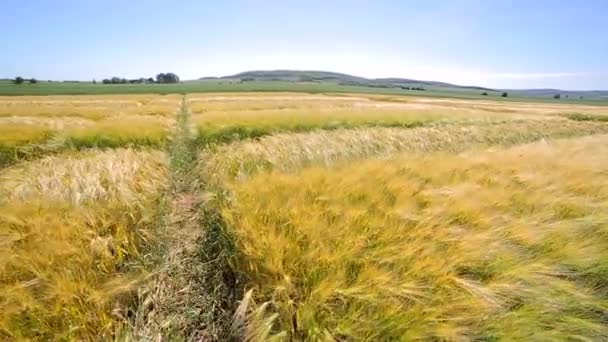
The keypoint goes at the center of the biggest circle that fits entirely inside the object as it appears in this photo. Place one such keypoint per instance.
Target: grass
(506, 244)
(77, 238)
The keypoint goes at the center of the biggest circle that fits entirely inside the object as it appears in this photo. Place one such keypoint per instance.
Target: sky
(498, 43)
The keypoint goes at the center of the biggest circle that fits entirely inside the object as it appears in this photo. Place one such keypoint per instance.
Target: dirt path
(193, 293)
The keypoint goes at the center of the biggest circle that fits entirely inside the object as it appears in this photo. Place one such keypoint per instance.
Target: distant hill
(392, 82)
(296, 75)
(336, 77)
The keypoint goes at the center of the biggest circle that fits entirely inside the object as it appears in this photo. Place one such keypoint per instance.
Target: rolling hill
(335, 77)
(392, 82)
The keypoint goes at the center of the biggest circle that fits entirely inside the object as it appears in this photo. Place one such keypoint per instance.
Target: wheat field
(33, 126)
(283, 216)
(75, 230)
(499, 243)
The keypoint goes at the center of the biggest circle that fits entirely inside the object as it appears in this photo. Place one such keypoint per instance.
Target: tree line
(168, 77)
(21, 80)
(504, 94)
(413, 88)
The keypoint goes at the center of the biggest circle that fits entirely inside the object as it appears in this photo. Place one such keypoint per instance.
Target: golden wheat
(292, 151)
(509, 108)
(338, 235)
(279, 108)
(32, 126)
(82, 177)
(19, 134)
(76, 234)
(92, 107)
(503, 244)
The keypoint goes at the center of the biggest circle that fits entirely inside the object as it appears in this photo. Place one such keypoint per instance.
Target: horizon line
(495, 75)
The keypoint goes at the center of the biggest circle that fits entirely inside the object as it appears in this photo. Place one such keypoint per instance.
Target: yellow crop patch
(504, 244)
(76, 231)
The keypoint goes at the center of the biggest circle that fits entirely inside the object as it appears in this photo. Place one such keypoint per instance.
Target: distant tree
(580, 97)
(484, 93)
(94, 81)
(566, 95)
(171, 78)
(167, 78)
(106, 81)
(150, 80)
(505, 94)
(18, 80)
(115, 80)
(33, 81)
(557, 96)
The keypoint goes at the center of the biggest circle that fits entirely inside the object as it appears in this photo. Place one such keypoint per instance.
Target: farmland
(298, 216)
(232, 84)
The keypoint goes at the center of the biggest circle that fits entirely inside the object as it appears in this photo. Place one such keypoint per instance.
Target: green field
(88, 88)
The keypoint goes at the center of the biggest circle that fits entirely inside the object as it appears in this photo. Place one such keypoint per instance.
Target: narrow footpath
(193, 294)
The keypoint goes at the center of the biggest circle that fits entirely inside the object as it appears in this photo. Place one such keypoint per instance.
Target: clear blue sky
(506, 44)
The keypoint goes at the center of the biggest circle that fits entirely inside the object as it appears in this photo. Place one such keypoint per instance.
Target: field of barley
(291, 216)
